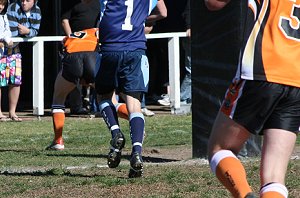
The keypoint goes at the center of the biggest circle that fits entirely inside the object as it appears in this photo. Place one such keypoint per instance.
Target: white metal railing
(38, 67)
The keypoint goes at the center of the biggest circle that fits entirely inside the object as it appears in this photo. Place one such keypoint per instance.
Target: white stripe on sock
(217, 157)
(114, 127)
(58, 111)
(275, 187)
(137, 144)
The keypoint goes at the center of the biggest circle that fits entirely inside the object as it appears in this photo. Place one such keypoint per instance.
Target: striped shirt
(17, 16)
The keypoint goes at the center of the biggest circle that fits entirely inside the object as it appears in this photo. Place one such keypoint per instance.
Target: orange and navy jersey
(82, 41)
(272, 49)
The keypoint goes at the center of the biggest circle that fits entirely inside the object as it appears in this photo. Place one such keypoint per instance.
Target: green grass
(28, 170)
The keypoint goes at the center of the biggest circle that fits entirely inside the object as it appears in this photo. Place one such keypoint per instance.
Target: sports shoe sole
(134, 173)
(56, 147)
(136, 166)
(114, 155)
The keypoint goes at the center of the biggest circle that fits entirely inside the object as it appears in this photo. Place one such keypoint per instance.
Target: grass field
(28, 170)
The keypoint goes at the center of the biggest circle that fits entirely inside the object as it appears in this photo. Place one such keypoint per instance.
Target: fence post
(174, 73)
(38, 78)
(38, 67)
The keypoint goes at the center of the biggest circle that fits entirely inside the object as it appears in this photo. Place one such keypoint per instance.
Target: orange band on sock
(232, 174)
(58, 124)
(122, 111)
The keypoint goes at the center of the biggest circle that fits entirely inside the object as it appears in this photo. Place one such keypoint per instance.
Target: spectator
(24, 21)
(5, 43)
(157, 51)
(185, 89)
(159, 88)
(159, 12)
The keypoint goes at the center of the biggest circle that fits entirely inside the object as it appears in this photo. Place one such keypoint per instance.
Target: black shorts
(79, 65)
(259, 105)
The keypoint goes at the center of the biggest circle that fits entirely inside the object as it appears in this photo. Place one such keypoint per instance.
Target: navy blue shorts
(123, 71)
(259, 105)
(79, 65)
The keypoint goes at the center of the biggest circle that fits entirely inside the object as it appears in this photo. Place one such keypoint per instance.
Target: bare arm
(66, 26)
(214, 5)
(159, 12)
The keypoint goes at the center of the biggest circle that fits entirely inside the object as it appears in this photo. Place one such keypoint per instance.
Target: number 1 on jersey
(127, 22)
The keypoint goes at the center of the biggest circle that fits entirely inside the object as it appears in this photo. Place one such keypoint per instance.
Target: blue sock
(137, 124)
(109, 114)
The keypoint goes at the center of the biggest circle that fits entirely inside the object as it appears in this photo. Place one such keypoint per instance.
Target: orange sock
(231, 173)
(274, 190)
(122, 110)
(58, 117)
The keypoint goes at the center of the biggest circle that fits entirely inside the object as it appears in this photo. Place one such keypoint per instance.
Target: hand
(214, 5)
(148, 29)
(10, 44)
(83, 83)
(23, 30)
(188, 33)
(1, 44)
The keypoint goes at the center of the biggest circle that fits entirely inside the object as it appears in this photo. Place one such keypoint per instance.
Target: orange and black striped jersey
(272, 49)
(82, 41)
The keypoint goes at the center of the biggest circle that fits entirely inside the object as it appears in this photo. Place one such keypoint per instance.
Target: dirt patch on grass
(184, 154)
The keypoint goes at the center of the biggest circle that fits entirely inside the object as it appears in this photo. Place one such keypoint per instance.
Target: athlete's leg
(121, 108)
(277, 149)
(137, 127)
(109, 114)
(62, 88)
(226, 140)
(136, 123)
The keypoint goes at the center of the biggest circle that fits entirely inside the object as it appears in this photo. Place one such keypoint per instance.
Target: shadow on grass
(147, 159)
(16, 150)
(51, 172)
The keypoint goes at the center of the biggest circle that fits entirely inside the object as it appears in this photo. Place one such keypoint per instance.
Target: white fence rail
(38, 67)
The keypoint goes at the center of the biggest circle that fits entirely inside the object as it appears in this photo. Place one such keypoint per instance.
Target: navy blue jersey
(122, 24)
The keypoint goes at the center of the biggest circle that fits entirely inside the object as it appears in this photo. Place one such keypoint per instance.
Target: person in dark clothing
(82, 16)
(185, 89)
(79, 60)
(157, 51)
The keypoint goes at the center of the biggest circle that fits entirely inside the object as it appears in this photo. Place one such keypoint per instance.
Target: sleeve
(7, 32)
(187, 15)
(12, 16)
(35, 23)
(66, 15)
